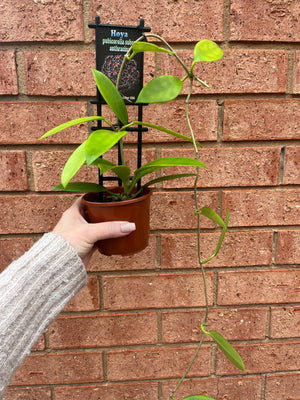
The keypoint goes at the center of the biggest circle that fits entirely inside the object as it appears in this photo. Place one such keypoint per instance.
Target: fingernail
(128, 227)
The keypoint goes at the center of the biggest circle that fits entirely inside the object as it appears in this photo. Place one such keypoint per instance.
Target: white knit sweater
(33, 290)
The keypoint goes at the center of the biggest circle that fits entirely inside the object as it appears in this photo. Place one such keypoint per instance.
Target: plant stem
(121, 147)
(198, 242)
(171, 49)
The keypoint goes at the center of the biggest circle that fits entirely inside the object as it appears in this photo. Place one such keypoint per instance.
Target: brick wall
(132, 331)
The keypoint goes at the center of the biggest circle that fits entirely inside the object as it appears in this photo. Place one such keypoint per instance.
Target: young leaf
(221, 238)
(80, 187)
(160, 90)
(198, 397)
(69, 124)
(167, 178)
(160, 163)
(74, 163)
(227, 349)
(140, 47)
(111, 95)
(162, 129)
(99, 142)
(173, 162)
(211, 214)
(103, 165)
(122, 172)
(208, 51)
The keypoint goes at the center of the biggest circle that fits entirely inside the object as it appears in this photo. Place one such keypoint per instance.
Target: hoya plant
(92, 152)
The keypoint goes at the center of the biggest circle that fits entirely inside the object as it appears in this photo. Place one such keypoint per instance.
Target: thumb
(108, 230)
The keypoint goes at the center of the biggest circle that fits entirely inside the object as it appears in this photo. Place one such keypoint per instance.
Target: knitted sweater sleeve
(33, 290)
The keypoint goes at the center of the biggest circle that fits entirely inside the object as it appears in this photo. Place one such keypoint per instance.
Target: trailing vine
(206, 51)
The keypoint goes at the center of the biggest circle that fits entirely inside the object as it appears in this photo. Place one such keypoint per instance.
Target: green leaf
(165, 162)
(167, 178)
(111, 96)
(221, 238)
(123, 172)
(208, 51)
(103, 165)
(69, 124)
(173, 162)
(74, 163)
(99, 142)
(159, 90)
(140, 47)
(162, 129)
(211, 214)
(227, 349)
(198, 397)
(80, 187)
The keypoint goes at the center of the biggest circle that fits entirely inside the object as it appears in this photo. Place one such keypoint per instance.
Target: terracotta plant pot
(136, 210)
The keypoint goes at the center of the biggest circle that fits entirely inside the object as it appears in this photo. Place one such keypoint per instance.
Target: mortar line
(282, 165)
(52, 388)
(268, 323)
(86, 19)
(263, 387)
(290, 72)
(226, 22)
(275, 245)
(220, 122)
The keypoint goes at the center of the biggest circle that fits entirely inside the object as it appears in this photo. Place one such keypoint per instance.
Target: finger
(107, 230)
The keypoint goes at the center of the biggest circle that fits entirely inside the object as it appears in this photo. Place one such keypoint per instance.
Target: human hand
(82, 235)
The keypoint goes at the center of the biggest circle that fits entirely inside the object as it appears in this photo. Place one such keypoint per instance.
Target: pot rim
(94, 203)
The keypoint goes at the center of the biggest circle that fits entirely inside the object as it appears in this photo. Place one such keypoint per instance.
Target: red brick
(282, 387)
(288, 247)
(268, 20)
(261, 119)
(37, 214)
(258, 287)
(39, 344)
(239, 71)
(230, 166)
(88, 299)
(8, 72)
(156, 363)
(285, 322)
(221, 388)
(262, 358)
(155, 291)
(292, 171)
(262, 207)
(13, 248)
(14, 170)
(28, 393)
(238, 249)
(26, 122)
(181, 23)
(56, 22)
(50, 368)
(103, 330)
(296, 77)
(146, 259)
(118, 391)
(234, 324)
(203, 117)
(59, 73)
(168, 213)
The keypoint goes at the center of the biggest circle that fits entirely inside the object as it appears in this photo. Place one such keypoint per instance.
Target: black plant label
(113, 42)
